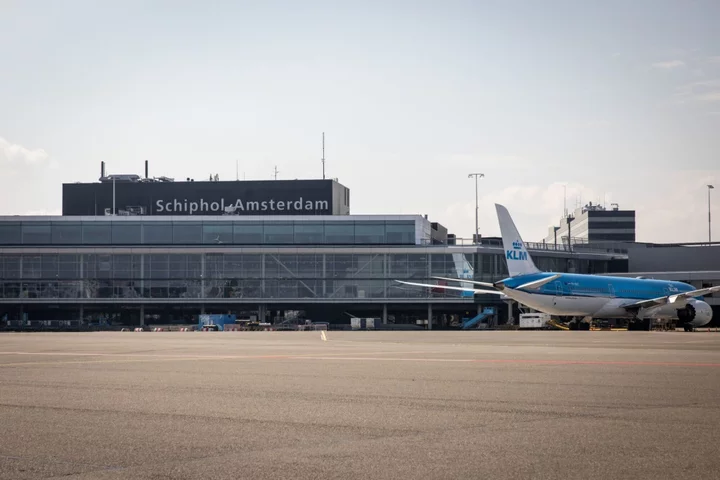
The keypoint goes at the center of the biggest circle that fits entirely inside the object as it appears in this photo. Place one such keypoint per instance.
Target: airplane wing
(538, 283)
(482, 284)
(671, 298)
(445, 287)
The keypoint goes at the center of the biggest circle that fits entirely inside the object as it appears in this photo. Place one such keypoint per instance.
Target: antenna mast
(276, 172)
(237, 173)
(323, 154)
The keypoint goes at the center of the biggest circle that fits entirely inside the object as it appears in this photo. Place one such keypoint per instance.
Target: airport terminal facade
(169, 269)
(121, 253)
(134, 263)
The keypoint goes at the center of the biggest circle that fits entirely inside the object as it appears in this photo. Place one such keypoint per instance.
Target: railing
(579, 245)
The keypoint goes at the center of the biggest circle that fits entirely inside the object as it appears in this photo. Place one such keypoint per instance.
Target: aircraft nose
(499, 285)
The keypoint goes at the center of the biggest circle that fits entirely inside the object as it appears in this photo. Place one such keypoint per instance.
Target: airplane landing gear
(578, 324)
(637, 324)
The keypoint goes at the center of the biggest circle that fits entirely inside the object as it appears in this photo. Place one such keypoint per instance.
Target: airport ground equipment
(534, 320)
(472, 322)
(213, 321)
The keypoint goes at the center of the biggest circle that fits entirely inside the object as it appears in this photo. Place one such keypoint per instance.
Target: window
(418, 265)
(31, 266)
(9, 266)
(10, 234)
(67, 233)
(157, 233)
(339, 233)
(126, 266)
(126, 233)
(185, 233)
(339, 265)
(370, 266)
(309, 233)
(36, 234)
(278, 233)
(194, 266)
(400, 233)
(49, 267)
(104, 266)
(157, 266)
(248, 233)
(94, 234)
(178, 266)
(252, 266)
(68, 267)
(369, 233)
(217, 233)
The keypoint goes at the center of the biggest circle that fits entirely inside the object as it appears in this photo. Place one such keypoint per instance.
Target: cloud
(701, 91)
(670, 205)
(42, 212)
(536, 207)
(670, 64)
(714, 59)
(12, 153)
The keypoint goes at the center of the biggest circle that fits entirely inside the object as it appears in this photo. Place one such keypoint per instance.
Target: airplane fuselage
(600, 296)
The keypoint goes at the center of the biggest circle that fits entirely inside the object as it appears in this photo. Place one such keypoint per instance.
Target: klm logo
(516, 253)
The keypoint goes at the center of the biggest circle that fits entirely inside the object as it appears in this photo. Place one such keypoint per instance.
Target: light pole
(710, 187)
(477, 208)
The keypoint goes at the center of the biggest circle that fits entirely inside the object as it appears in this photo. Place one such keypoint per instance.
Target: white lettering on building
(203, 206)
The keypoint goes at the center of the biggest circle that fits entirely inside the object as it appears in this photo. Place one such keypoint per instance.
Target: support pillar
(142, 315)
(202, 309)
(324, 276)
(430, 313)
(384, 314)
(82, 315)
(142, 277)
(202, 277)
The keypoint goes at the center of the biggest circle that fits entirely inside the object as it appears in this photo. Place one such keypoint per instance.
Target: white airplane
(593, 296)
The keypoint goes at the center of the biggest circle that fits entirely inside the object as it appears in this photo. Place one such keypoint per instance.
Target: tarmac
(360, 405)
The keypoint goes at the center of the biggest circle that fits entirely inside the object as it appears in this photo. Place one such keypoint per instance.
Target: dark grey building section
(592, 224)
(136, 196)
(648, 257)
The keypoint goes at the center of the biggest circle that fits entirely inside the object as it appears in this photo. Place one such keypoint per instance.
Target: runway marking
(190, 355)
(165, 357)
(160, 358)
(522, 361)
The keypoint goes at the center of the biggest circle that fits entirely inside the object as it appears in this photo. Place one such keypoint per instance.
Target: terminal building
(594, 224)
(131, 251)
(136, 251)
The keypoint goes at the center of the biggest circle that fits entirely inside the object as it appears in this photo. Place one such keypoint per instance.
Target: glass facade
(318, 275)
(102, 231)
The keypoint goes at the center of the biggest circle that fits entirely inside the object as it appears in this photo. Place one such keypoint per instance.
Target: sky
(554, 101)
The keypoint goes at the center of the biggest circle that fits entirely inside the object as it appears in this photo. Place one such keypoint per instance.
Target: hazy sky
(616, 99)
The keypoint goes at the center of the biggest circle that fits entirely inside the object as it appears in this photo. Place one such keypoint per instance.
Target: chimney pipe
(146, 169)
(102, 169)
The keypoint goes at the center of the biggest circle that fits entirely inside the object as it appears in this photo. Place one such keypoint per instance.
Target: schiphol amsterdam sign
(239, 206)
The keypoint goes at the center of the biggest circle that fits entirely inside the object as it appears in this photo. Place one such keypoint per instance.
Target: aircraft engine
(695, 313)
